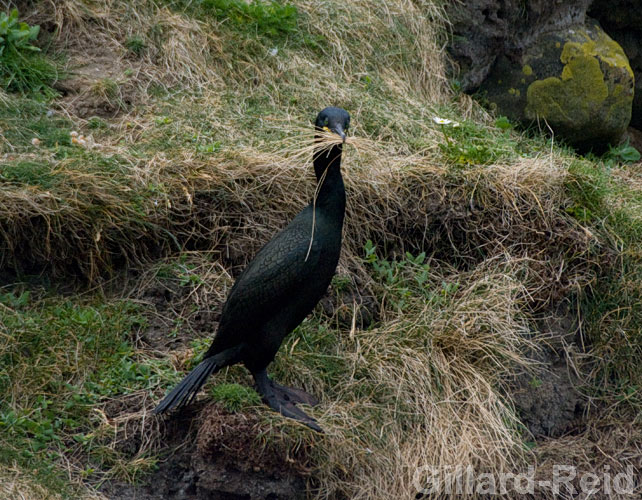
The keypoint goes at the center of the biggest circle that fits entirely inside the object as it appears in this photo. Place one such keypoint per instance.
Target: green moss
(580, 90)
(620, 110)
(235, 397)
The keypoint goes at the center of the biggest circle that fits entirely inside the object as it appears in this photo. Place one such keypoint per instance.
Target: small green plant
(16, 34)
(341, 282)
(535, 382)
(136, 45)
(187, 275)
(106, 88)
(182, 271)
(503, 123)
(96, 123)
(211, 147)
(109, 91)
(624, 153)
(22, 67)
(163, 120)
(407, 279)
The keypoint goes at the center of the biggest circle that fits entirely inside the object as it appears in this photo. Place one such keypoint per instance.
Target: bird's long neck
(331, 191)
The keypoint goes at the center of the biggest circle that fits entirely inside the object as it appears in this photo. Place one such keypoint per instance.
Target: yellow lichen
(543, 98)
(608, 50)
(618, 90)
(581, 88)
(527, 70)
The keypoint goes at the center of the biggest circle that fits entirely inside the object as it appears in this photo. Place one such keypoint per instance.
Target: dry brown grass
(610, 447)
(16, 484)
(54, 227)
(433, 378)
(178, 48)
(425, 385)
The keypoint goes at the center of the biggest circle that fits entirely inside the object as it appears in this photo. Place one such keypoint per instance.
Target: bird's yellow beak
(339, 131)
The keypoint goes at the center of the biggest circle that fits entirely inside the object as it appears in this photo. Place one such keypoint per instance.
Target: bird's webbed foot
(283, 399)
(294, 395)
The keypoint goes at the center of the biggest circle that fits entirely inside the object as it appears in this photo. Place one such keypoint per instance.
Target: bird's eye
(325, 122)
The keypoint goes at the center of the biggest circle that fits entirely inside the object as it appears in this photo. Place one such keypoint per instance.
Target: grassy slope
(203, 143)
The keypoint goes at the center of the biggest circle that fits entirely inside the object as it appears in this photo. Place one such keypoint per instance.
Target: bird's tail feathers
(187, 389)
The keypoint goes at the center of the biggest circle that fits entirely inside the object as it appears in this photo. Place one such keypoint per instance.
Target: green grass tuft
(136, 45)
(272, 18)
(235, 397)
(587, 185)
(60, 360)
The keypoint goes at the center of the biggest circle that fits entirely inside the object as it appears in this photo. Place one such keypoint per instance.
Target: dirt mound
(223, 456)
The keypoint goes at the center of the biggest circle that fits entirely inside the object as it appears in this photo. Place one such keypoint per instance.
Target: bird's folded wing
(279, 269)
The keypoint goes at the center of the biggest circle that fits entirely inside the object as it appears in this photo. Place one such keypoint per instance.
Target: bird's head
(335, 120)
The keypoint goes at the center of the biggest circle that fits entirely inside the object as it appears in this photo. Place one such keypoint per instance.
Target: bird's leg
(284, 405)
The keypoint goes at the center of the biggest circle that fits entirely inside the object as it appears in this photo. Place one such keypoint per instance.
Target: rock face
(622, 20)
(483, 30)
(579, 81)
(583, 87)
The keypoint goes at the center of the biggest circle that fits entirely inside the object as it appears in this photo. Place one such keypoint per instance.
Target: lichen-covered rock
(579, 81)
(622, 20)
(486, 29)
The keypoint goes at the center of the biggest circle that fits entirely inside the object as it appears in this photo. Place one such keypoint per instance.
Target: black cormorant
(280, 287)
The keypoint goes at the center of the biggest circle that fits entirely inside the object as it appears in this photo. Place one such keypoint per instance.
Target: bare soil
(550, 404)
(215, 454)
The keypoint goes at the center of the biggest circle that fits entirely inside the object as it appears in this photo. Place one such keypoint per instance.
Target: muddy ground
(211, 454)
